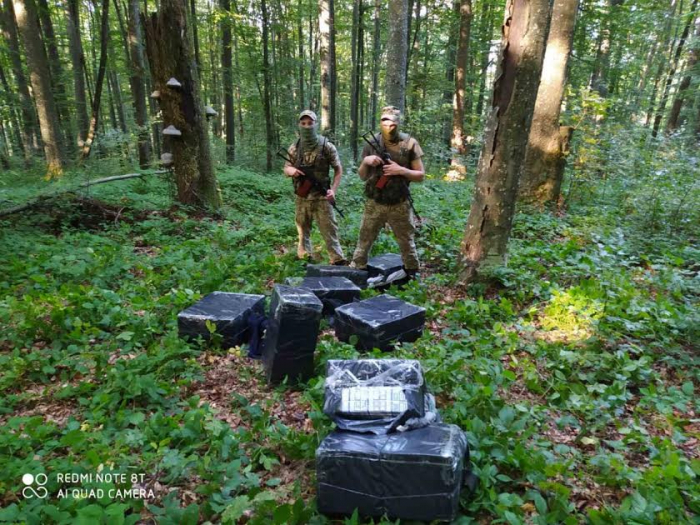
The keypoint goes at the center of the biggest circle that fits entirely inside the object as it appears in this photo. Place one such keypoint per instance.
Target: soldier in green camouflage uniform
(390, 205)
(314, 150)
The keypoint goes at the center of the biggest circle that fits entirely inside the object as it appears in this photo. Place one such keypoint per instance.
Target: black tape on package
(292, 332)
(359, 277)
(379, 322)
(414, 475)
(229, 312)
(374, 395)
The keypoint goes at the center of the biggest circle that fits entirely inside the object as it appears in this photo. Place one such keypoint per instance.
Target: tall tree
(136, 81)
(78, 60)
(27, 22)
(599, 78)
(326, 29)
(396, 54)
(101, 71)
(170, 55)
(514, 93)
(376, 48)
(675, 112)
(672, 70)
(227, 73)
(541, 177)
(267, 85)
(458, 140)
(30, 134)
(357, 36)
(300, 54)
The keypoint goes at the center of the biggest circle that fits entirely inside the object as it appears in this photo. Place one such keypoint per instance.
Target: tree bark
(514, 93)
(325, 30)
(29, 129)
(396, 54)
(266, 86)
(27, 23)
(548, 144)
(334, 70)
(458, 139)
(301, 56)
(104, 39)
(136, 81)
(170, 54)
(448, 94)
(117, 93)
(675, 112)
(195, 37)
(487, 33)
(599, 78)
(227, 74)
(78, 60)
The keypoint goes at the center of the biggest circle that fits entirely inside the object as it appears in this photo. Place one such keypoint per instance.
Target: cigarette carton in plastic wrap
(414, 475)
(359, 277)
(374, 395)
(229, 312)
(292, 331)
(384, 265)
(333, 291)
(379, 322)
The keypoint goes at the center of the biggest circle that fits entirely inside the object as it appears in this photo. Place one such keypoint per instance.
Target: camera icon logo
(30, 480)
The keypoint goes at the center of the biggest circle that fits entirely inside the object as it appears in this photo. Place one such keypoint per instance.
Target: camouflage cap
(391, 113)
(308, 113)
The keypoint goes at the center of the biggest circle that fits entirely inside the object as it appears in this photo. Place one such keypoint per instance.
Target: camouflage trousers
(400, 219)
(306, 212)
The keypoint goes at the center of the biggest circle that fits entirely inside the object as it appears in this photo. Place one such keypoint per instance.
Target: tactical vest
(321, 167)
(396, 190)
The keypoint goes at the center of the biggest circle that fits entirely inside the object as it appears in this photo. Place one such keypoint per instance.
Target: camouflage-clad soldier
(317, 154)
(389, 205)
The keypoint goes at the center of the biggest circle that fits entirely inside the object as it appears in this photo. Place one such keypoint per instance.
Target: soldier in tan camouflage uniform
(316, 151)
(390, 204)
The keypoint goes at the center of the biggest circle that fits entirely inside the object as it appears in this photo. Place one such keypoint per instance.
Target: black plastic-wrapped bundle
(374, 395)
(333, 291)
(416, 475)
(359, 277)
(228, 311)
(384, 265)
(292, 331)
(379, 322)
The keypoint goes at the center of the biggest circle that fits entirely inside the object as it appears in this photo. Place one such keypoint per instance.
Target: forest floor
(574, 370)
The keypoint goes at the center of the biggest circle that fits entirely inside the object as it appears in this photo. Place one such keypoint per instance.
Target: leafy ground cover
(573, 370)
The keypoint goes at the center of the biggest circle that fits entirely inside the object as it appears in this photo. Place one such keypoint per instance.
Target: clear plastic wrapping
(374, 395)
(379, 322)
(229, 312)
(292, 332)
(357, 276)
(332, 291)
(416, 475)
(384, 265)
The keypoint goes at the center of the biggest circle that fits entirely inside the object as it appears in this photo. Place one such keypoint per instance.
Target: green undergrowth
(573, 370)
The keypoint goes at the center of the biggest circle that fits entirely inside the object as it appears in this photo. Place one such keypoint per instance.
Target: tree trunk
(227, 74)
(136, 81)
(27, 23)
(672, 71)
(13, 118)
(266, 86)
(448, 94)
(599, 78)
(78, 60)
(117, 93)
(301, 56)
(170, 54)
(458, 140)
(487, 33)
(104, 38)
(376, 48)
(355, 80)
(334, 70)
(325, 30)
(514, 93)
(675, 112)
(396, 54)
(30, 134)
(195, 37)
(548, 144)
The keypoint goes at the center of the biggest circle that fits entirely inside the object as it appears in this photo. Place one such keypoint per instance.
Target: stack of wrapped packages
(391, 454)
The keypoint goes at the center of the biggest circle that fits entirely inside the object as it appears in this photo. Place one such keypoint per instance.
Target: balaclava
(394, 114)
(308, 136)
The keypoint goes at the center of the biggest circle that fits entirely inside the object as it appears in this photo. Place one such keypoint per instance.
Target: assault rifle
(307, 182)
(383, 180)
